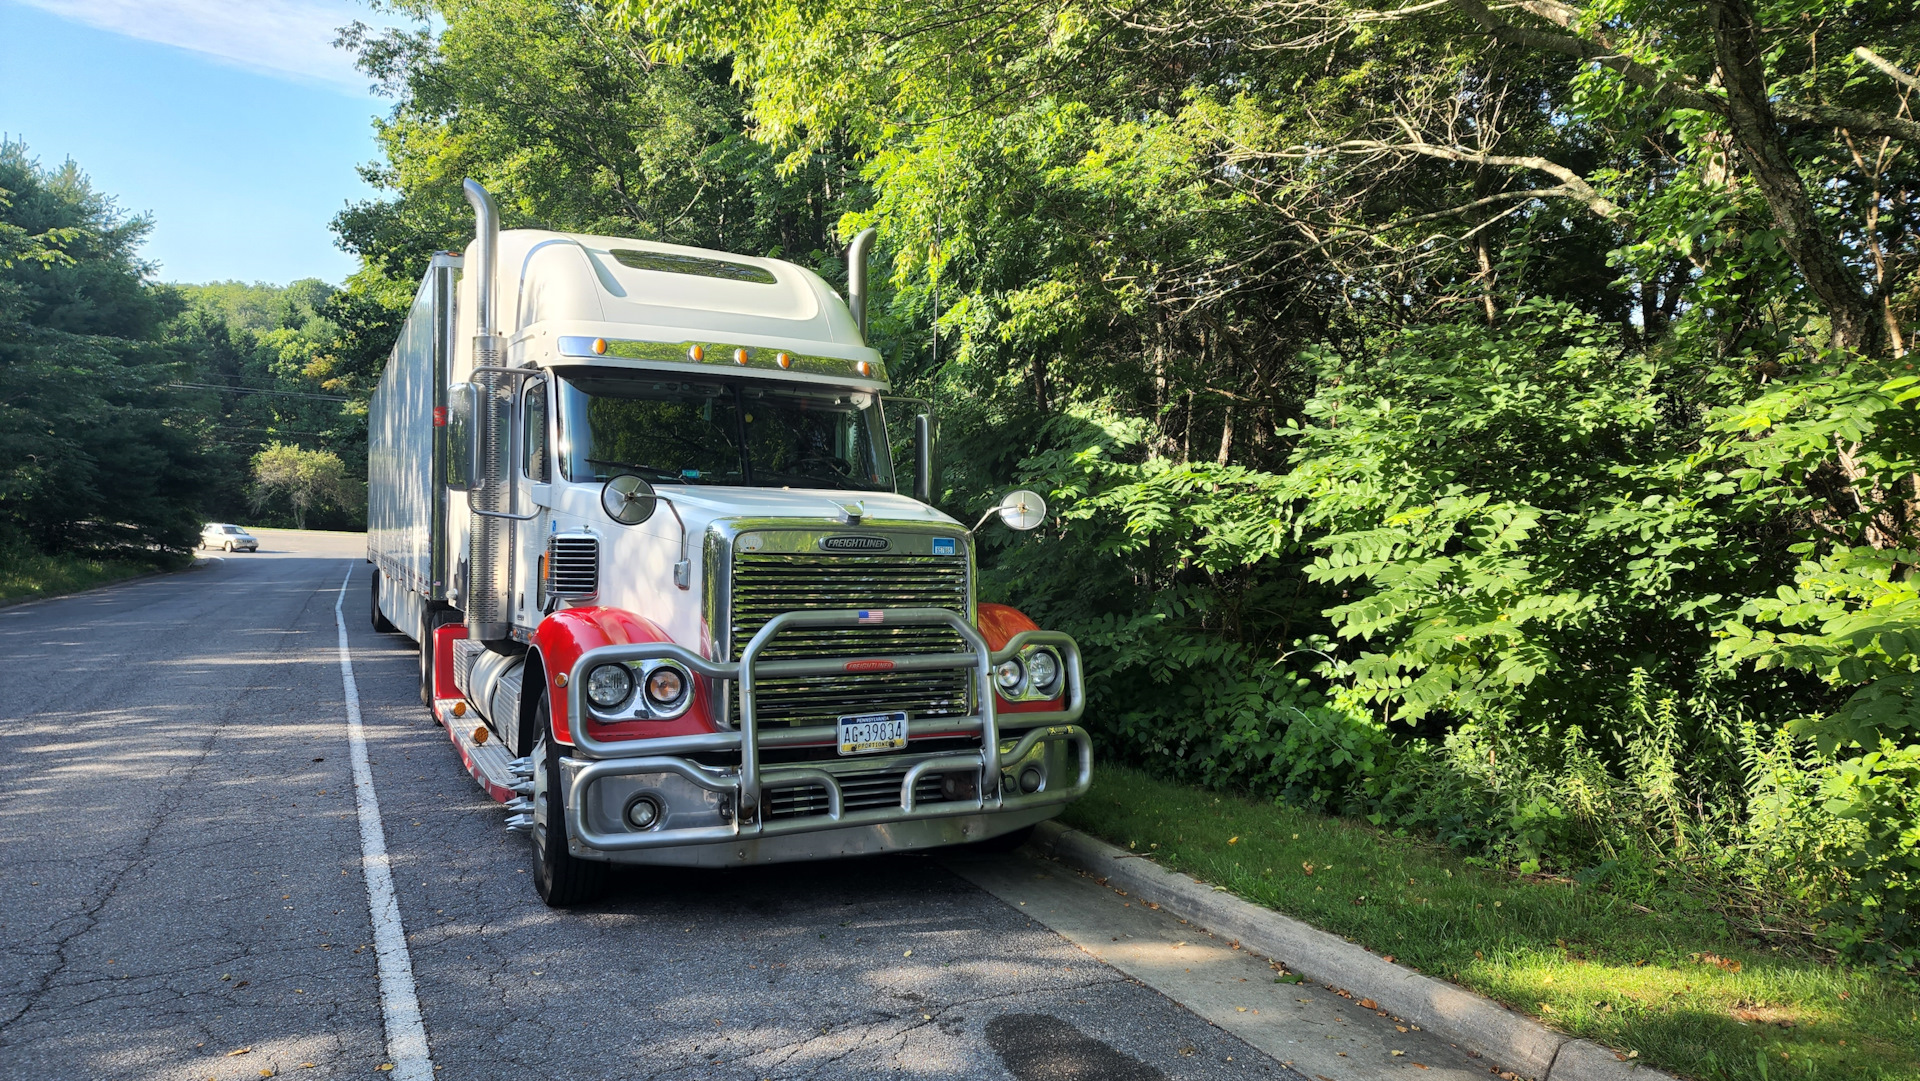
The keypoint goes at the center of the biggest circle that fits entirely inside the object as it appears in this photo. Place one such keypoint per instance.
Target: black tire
(381, 625)
(1006, 842)
(427, 627)
(561, 878)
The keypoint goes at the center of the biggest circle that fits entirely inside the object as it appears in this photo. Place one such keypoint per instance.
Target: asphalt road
(184, 895)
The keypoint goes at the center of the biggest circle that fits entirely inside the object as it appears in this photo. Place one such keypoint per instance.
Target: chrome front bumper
(721, 811)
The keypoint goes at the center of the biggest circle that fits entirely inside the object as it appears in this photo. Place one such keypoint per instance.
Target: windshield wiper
(659, 473)
(834, 481)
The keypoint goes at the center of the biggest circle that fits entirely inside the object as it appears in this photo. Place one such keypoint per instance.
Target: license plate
(866, 733)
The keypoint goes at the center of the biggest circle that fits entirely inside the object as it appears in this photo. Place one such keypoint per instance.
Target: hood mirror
(628, 499)
(1020, 509)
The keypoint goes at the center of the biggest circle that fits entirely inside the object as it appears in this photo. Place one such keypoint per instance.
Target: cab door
(534, 475)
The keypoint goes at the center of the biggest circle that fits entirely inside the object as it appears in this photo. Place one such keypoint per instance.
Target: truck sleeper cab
(639, 510)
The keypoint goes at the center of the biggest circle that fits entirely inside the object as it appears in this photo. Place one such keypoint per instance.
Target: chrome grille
(573, 566)
(767, 584)
(858, 792)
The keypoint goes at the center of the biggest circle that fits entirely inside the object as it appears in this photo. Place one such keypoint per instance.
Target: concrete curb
(1474, 1023)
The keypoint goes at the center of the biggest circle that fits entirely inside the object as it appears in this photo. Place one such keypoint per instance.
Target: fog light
(1010, 674)
(958, 786)
(643, 813)
(608, 685)
(1030, 779)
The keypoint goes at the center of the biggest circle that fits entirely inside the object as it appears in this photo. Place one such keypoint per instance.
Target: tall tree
(95, 451)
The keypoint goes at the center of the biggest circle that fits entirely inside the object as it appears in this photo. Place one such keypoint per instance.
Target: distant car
(230, 537)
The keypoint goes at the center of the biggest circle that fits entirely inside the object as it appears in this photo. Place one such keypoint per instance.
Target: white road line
(406, 1034)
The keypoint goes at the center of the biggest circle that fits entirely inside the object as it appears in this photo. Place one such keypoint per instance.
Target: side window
(535, 417)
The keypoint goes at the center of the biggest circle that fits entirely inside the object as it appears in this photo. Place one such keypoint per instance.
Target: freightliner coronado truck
(635, 503)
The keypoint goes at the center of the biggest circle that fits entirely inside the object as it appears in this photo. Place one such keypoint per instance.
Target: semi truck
(636, 503)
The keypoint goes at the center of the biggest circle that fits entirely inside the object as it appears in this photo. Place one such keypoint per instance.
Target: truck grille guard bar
(618, 758)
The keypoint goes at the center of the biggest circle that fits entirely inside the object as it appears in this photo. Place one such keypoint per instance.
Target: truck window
(731, 432)
(534, 416)
(814, 440)
(664, 430)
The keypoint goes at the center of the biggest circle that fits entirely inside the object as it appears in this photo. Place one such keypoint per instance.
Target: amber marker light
(785, 359)
(480, 734)
(459, 709)
(739, 356)
(600, 346)
(864, 367)
(696, 353)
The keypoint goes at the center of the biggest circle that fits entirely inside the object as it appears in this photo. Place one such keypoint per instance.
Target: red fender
(998, 623)
(563, 636)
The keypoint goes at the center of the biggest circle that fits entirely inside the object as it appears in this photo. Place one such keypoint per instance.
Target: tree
(95, 451)
(306, 479)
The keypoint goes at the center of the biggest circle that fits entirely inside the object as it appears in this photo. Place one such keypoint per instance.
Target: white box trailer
(406, 457)
(636, 503)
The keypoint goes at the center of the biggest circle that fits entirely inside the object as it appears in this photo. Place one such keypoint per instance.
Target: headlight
(608, 685)
(1044, 668)
(665, 685)
(1010, 674)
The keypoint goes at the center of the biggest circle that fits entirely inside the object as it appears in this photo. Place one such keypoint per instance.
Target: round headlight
(1044, 667)
(1009, 674)
(665, 685)
(608, 685)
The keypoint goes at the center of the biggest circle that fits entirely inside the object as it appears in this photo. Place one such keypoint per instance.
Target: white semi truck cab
(636, 503)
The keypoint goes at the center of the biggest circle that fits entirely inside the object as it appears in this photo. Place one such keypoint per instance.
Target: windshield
(733, 432)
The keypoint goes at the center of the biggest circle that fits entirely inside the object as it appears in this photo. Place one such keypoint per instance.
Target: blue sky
(234, 123)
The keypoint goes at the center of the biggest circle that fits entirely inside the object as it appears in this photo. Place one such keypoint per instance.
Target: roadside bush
(1552, 601)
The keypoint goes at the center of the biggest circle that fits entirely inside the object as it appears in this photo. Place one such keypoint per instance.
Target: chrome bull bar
(619, 758)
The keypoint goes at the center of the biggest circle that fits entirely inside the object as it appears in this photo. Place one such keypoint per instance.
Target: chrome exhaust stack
(486, 238)
(857, 276)
(490, 484)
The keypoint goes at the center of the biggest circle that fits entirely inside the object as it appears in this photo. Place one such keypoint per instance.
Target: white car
(229, 537)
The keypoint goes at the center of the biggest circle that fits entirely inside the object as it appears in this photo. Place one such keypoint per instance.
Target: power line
(277, 431)
(251, 390)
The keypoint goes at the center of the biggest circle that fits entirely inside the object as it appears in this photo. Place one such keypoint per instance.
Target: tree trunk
(1857, 324)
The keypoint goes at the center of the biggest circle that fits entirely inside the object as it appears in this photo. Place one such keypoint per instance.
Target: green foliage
(1665, 976)
(26, 573)
(94, 451)
(301, 479)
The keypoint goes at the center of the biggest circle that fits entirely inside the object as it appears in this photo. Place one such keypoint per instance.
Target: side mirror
(628, 499)
(923, 458)
(460, 437)
(1022, 509)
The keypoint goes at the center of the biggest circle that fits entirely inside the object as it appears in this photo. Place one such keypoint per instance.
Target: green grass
(26, 575)
(1670, 982)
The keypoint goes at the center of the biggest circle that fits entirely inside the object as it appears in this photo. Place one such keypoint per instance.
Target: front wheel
(229, 546)
(561, 878)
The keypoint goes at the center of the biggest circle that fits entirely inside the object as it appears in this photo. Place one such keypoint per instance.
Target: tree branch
(1887, 67)
(1683, 93)
(1572, 184)
(1664, 89)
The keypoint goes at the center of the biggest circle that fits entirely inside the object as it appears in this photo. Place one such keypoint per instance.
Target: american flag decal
(872, 617)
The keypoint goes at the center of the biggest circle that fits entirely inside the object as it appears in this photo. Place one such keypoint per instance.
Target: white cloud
(287, 38)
